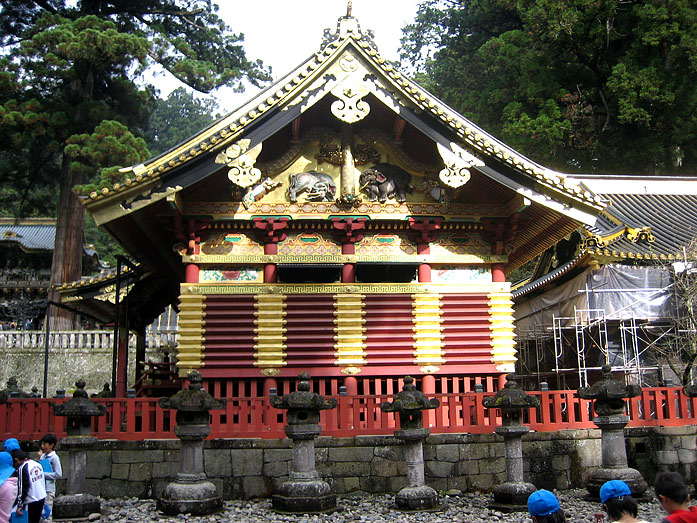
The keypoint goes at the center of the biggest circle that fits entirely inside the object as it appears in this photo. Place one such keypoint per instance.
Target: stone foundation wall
(247, 468)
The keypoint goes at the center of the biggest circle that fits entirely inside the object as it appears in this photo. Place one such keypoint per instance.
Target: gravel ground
(370, 508)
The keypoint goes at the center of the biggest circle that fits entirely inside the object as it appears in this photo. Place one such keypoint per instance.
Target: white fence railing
(81, 339)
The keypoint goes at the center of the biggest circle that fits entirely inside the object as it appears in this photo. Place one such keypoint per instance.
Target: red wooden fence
(143, 418)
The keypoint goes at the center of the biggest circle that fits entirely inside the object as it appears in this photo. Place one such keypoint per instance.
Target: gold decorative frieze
(428, 332)
(269, 329)
(349, 328)
(372, 210)
(191, 332)
(503, 351)
(253, 259)
(343, 288)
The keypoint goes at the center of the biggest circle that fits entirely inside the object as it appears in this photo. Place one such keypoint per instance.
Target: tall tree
(68, 79)
(178, 117)
(581, 85)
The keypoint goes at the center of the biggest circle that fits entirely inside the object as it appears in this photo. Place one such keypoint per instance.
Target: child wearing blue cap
(10, 444)
(543, 506)
(8, 486)
(671, 492)
(617, 500)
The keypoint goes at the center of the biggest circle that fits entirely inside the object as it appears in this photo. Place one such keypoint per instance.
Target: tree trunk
(67, 252)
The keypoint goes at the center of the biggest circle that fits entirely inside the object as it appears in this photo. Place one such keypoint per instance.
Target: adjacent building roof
(31, 235)
(647, 220)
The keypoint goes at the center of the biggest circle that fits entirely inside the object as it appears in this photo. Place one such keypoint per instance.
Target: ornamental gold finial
(349, 7)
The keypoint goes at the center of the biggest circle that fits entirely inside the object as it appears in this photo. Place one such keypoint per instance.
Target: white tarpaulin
(621, 291)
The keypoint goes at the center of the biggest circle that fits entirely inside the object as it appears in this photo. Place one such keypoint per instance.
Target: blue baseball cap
(6, 467)
(542, 503)
(11, 444)
(614, 489)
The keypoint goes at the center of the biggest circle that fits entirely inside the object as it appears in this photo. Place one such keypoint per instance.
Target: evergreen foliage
(581, 85)
(73, 104)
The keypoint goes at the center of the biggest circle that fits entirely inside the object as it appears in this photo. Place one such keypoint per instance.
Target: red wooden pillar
(270, 271)
(192, 273)
(272, 230)
(428, 387)
(423, 232)
(424, 268)
(348, 232)
(497, 273)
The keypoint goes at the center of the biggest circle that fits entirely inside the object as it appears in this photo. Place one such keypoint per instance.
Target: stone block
(457, 483)
(497, 450)
(275, 455)
(686, 456)
(386, 467)
(98, 464)
(374, 485)
(217, 463)
(588, 453)
(439, 469)
(430, 452)
(338, 469)
(467, 467)
(93, 487)
(688, 442)
(492, 465)
(276, 469)
(391, 452)
(352, 484)
(358, 454)
(482, 482)
(667, 457)
(396, 483)
(563, 446)
(165, 469)
(172, 455)
(140, 472)
(119, 471)
(137, 456)
(247, 462)
(448, 452)
(115, 488)
(561, 463)
(232, 488)
(158, 486)
(440, 484)
(475, 451)
(669, 442)
(677, 431)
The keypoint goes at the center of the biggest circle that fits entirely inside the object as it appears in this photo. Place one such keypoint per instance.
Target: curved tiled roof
(348, 32)
(38, 234)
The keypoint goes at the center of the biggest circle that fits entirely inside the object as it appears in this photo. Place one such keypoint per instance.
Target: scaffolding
(593, 337)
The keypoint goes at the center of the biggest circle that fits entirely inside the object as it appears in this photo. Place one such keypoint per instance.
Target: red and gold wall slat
(349, 326)
(428, 332)
(333, 334)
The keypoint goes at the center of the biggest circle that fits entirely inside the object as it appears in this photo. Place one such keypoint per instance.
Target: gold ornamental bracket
(458, 162)
(240, 158)
(350, 107)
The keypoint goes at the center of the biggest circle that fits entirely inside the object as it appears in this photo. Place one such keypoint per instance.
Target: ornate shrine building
(344, 222)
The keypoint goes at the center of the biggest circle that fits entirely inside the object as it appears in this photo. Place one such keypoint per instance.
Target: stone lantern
(79, 410)
(609, 397)
(410, 404)
(512, 495)
(191, 493)
(304, 492)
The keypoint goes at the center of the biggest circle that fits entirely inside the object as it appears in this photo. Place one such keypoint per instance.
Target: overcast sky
(283, 33)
